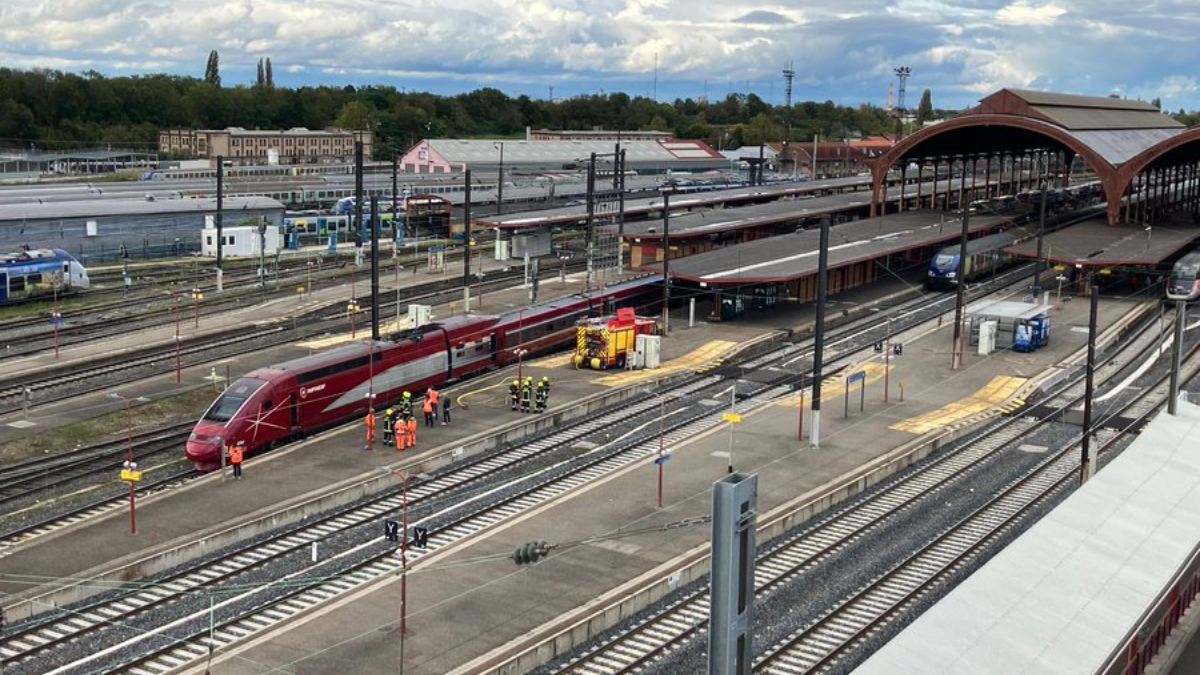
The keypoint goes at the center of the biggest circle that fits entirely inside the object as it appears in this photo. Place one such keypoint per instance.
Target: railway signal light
(530, 552)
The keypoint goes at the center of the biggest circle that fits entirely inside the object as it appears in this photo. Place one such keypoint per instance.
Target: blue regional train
(40, 272)
(984, 255)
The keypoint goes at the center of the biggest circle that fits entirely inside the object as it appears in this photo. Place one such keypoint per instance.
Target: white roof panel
(1059, 599)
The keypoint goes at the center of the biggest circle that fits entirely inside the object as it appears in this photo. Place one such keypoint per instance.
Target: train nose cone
(205, 455)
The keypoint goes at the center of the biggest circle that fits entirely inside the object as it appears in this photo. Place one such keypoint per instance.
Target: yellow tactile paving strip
(995, 394)
(699, 358)
(833, 388)
(363, 332)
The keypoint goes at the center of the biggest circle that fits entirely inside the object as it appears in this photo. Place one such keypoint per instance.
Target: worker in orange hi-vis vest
(370, 430)
(401, 435)
(412, 432)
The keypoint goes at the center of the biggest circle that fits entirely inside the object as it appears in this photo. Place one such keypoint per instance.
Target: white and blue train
(38, 273)
(984, 255)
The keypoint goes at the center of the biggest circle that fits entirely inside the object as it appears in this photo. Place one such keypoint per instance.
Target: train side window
(34, 278)
(16, 284)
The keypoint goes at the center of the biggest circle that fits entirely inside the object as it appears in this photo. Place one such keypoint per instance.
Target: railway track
(52, 384)
(658, 634)
(454, 504)
(86, 321)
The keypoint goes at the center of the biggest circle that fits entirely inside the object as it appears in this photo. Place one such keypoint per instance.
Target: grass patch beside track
(183, 407)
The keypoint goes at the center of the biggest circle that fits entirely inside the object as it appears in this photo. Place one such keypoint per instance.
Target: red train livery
(287, 401)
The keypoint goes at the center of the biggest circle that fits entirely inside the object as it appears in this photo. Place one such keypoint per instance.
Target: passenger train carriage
(985, 255)
(1184, 283)
(289, 400)
(40, 272)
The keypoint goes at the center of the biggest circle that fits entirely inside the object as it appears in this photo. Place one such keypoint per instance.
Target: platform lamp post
(404, 479)
(129, 472)
(309, 265)
(1058, 295)
(352, 309)
(197, 296)
(661, 461)
(56, 321)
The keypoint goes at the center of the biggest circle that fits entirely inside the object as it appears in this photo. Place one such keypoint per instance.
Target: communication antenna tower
(788, 75)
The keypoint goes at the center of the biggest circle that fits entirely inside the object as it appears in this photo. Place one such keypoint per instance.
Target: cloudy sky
(843, 50)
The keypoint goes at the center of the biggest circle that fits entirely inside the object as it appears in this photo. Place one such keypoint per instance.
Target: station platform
(457, 615)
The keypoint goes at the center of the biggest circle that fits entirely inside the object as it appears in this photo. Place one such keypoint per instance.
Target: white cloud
(843, 50)
(1025, 14)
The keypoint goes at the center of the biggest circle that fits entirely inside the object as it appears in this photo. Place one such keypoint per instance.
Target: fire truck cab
(608, 341)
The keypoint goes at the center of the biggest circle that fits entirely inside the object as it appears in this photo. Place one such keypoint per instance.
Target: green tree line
(50, 109)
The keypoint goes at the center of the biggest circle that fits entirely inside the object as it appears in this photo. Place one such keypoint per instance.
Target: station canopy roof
(132, 207)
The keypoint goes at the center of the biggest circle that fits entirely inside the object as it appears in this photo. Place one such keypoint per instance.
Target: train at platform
(1184, 282)
(428, 215)
(290, 400)
(985, 255)
(26, 275)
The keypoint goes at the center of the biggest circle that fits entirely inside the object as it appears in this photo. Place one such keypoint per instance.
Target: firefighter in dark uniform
(389, 426)
(541, 394)
(406, 407)
(526, 394)
(514, 394)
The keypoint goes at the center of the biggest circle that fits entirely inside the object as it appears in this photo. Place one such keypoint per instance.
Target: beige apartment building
(243, 147)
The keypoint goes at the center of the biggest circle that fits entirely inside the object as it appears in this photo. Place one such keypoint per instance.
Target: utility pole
(961, 284)
(220, 214)
(666, 281)
(375, 267)
(1037, 264)
(591, 220)
(1176, 357)
(467, 242)
(819, 346)
(1084, 463)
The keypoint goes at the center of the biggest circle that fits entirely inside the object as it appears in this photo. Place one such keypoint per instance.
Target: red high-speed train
(286, 401)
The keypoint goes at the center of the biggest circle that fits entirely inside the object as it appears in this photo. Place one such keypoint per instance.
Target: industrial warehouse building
(94, 231)
(453, 155)
(242, 146)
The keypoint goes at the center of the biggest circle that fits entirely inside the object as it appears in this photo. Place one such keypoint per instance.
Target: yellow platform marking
(698, 359)
(552, 361)
(363, 333)
(835, 387)
(994, 394)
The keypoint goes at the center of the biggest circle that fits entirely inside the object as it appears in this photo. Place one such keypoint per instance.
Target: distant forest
(49, 110)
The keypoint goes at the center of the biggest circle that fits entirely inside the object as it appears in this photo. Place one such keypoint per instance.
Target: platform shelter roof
(1068, 595)
(133, 207)
(794, 256)
(1107, 132)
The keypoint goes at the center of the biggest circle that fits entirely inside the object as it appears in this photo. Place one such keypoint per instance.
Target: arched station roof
(1117, 137)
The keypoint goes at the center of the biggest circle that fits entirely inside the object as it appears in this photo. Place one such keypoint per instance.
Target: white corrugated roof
(1059, 599)
(120, 207)
(471, 151)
